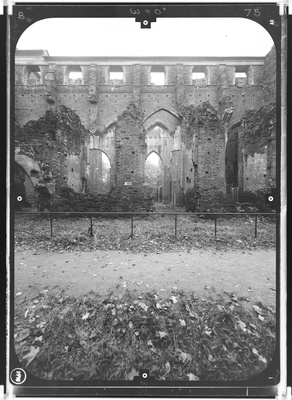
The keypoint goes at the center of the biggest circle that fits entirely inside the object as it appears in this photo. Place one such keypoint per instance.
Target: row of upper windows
(116, 75)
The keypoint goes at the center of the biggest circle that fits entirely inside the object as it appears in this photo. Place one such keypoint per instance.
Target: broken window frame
(116, 69)
(28, 70)
(199, 81)
(74, 69)
(158, 69)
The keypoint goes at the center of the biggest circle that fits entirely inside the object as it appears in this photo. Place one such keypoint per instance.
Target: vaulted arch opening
(154, 175)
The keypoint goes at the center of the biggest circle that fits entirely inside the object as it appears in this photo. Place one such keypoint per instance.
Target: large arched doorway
(158, 141)
(99, 172)
(25, 193)
(154, 175)
(161, 126)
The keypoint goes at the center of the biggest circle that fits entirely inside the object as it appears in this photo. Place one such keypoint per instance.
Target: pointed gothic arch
(156, 153)
(169, 110)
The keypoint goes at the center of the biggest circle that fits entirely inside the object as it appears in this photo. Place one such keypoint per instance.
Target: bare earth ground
(248, 274)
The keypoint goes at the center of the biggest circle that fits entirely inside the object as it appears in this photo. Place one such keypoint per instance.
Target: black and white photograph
(145, 196)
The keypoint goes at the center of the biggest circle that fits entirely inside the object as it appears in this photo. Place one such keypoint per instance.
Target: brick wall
(269, 76)
(257, 147)
(192, 113)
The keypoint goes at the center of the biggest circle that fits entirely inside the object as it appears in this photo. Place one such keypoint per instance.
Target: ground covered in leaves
(181, 337)
(154, 233)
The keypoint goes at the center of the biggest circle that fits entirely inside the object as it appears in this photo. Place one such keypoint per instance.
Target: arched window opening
(33, 75)
(154, 139)
(116, 74)
(240, 76)
(100, 172)
(157, 75)
(75, 76)
(154, 174)
(198, 76)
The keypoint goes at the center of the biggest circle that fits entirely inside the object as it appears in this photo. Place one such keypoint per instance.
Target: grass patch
(181, 337)
(151, 234)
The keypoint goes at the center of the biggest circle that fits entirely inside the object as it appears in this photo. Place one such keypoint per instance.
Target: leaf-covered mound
(150, 234)
(181, 337)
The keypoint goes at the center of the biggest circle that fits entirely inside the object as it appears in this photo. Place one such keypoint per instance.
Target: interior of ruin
(125, 133)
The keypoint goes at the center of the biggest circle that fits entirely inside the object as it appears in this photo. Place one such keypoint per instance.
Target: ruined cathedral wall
(30, 102)
(269, 79)
(257, 135)
(100, 102)
(204, 137)
(257, 147)
(55, 142)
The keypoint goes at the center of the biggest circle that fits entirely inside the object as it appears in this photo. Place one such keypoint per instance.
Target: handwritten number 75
(252, 12)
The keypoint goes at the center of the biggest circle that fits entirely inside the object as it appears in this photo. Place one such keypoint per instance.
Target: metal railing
(91, 215)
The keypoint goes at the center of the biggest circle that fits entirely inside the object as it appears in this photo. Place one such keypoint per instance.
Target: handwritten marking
(137, 11)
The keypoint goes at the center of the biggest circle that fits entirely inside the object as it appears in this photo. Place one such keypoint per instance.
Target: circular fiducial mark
(19, 198)
(145, 22)
(271, 198)
(144, 375)
(18, 376)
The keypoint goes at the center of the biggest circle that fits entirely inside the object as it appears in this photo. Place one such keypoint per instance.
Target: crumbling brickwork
(211, 133)
(269, 80)
(54, 143)
(258, 142)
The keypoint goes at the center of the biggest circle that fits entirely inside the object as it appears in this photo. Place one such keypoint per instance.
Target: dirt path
(250, 274)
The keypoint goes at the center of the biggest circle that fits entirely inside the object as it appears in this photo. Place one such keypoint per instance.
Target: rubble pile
(116, 200)
(208, 200)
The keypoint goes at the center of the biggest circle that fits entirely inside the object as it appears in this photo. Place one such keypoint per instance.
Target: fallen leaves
(257, 309)
(193, 377)
(184, 357)
(85, 316)
(143, 306)
(242, 326)
(162, 334)
(181, 336)
(22, 335)
(151, 234)
(174, 299)
(31, 355)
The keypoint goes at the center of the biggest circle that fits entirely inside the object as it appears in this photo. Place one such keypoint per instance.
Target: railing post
(91, 228)
(255, 226)
(175, 224)
(215, 225)
(51, 223)
(132, 226)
